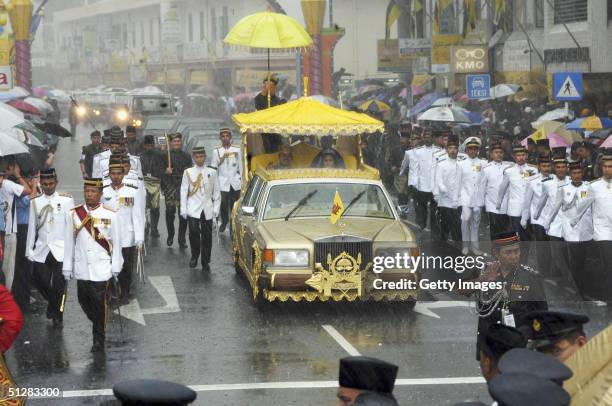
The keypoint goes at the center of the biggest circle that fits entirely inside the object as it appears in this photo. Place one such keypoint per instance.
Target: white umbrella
(15, 93)
(24, 136)
(503, 90)
(553, 115)
(10, 146)
(443, 101)
(10, 116)
(40, 104)
(447, 114)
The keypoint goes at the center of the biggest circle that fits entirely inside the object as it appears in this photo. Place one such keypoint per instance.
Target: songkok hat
(93, 182)
(95, 133)
(544, 159)
(116, 135)
(575, 165)
(175, 135)
(148, 140)
(495, 145)
(272, 78)
(505, 239)
(524, 389)
(367, 373)
(115, 162)
(543, 143)
(453, 141)
(130, 129)
(518, 148)
(48, 173)
(198, 150)
(499, 339)
(225, 130)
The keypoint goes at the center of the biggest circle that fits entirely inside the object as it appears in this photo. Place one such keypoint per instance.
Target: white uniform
(566, 205)
(488, 191)
(547, 217)
(200, 191)
(599, 200)
(84, 258)
(533, 196)
(46, 228)
(411, 164)
(100, 162)
(129, 206)
(446, 187)
(425, 160)
(469, 179)
(514, 184)
(228, 162)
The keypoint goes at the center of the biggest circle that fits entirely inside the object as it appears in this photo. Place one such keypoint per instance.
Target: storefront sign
(388, 57)
(195, 51)
(440, 52)
(469, 59)
(170, 22)
(414, 47)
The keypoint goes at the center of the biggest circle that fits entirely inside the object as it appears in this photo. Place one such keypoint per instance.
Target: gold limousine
(313, 219)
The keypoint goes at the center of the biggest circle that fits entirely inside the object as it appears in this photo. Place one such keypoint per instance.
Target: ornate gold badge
(536, 325)
(343, 275)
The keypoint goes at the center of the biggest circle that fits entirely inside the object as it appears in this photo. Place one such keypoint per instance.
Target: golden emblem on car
(343, 275)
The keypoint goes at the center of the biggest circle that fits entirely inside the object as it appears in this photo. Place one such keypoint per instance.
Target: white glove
(524, 224)
(67, 277)
(184, 215)
(139, 244)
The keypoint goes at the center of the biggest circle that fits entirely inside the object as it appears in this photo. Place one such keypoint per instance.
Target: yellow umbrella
(268, 30)
(306, 116)
(374, 106)
(549, 127)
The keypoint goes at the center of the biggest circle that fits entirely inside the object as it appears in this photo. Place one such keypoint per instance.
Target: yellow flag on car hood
(337, 208)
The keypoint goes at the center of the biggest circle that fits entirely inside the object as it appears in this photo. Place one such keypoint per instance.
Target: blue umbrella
(425, 103)
(579, 123)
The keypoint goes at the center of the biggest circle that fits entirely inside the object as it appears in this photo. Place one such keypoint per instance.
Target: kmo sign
(6, 78)
(469, 59)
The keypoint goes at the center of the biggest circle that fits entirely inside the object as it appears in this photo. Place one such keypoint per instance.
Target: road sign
(567, 86)
(478, 86)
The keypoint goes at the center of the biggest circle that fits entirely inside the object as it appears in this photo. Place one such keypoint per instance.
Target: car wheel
(410, 304)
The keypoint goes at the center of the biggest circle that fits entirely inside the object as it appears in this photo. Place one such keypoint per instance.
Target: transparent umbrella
(10, 146)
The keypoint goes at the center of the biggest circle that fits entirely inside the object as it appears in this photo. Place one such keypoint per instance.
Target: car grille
(338, 244)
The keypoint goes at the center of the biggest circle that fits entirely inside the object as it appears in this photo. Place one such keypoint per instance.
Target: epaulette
(441, 159)
(109, 208)
(236, 145)
(64, 194)
(547, 179)
(106, 185)
(419, 147)
(506, 168)
(442, 152)
(596, 180)
(461, 158)
(529, 269)
(535, 166)
(130, 185)
(488, 164)
(212, 167)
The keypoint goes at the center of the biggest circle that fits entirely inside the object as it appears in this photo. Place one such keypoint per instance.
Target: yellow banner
(440, 52)
(199, 77)
(337, 208)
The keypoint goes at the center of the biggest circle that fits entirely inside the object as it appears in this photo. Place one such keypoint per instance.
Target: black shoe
(58, 324)
(170, 241)
(124, 301)
(193, 262)
(49, 316)
(206, 268)
(222, 227)
(154, 233)
(182, 245)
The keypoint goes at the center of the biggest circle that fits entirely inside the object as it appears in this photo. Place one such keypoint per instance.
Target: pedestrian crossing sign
(567, 86)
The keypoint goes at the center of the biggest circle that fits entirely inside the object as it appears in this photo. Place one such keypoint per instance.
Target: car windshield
(160, 123)
(152, 104)
(206, 139)
(283, 198)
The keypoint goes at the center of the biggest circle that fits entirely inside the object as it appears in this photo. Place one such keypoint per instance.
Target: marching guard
(424, 156)
(152, 169)
(92, 256)
(228, 160)
(175, 163)
(45, 243)
(200, 204)
(128, 203)
(470, 174)
(446, 189)
(488, 190)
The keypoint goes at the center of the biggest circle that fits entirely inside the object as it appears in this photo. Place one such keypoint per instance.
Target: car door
(245, 217)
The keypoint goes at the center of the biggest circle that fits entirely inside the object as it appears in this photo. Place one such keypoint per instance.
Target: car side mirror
(249, 211)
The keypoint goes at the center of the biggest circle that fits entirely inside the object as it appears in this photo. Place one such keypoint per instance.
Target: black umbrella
(54, 129)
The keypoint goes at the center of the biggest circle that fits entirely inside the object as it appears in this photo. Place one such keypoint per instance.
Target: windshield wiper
(300, 203)
(352, 202)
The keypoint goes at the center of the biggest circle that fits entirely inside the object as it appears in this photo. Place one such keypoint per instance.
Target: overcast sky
(293, 9)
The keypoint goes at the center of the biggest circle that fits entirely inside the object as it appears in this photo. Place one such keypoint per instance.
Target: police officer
(45, 242)
(488, 190)
(514, 185)
(92, 256)
(228, 160)
(424, 156)
(446, 190)
(400, 180)
(200, 204)
(153, 170)
(470, 174)
(494, 343)
(533, 196)
(89, 151)
(599, 200)
(527, 361)
(129, 206)
(171, 185)
(512, 389)
(559, 334)
(521, 289)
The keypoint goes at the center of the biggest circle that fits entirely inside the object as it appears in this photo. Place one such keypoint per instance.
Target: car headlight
(81, 111)
(137, 123)
(121, 115)
(97, 112)
(286, 257)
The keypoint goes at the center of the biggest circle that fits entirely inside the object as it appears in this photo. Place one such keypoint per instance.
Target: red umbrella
(25, 107)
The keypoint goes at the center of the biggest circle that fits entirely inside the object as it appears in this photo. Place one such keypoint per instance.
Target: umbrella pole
(268, 60)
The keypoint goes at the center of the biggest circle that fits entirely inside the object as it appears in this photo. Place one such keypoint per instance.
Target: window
(213, 24)
(202, 26)
(190, 26)
(569, 11)
(142, 33)
(539, 13)
(224, 22)
(124, 36)
(151, 32)
(134, 37)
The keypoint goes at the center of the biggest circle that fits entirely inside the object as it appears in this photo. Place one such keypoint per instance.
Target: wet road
(201, 329)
